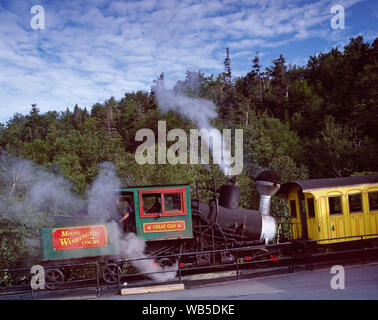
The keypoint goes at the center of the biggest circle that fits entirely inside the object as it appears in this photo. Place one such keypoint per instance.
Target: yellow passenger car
(333, 208)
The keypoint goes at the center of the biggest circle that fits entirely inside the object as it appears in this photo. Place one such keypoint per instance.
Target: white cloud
(92, 50)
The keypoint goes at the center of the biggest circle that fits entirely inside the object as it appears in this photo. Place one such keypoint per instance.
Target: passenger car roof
(307, 185)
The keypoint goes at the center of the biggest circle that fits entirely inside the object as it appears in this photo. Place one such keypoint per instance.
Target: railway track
(89, 288)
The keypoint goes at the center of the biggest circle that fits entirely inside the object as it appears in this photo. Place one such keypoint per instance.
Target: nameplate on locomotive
(79, 237)
(164, 226)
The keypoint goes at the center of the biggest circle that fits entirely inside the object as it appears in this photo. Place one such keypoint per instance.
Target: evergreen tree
(227, 68)
(110, 122)
(256, 73)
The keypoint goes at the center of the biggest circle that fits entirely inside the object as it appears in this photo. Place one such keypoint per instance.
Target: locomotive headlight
(268, 228)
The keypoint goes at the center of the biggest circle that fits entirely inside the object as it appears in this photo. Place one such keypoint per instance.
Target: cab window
(151, 203)
(162, 202)
(334, 205)
(355, 203)
(373, 200)
(172, 202)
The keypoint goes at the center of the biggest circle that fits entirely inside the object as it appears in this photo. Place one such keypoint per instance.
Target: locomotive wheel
(166, 263)
(261, 255)
(54, 278)
(110, 273)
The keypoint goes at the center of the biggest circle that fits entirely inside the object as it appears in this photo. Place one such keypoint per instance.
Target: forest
(314, 121)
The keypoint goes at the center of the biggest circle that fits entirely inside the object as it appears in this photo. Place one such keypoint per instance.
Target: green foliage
(343, 149)
(13, 246)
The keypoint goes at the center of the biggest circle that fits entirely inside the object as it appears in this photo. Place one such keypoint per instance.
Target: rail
(13, 281)
(310, 255)
(180, 268)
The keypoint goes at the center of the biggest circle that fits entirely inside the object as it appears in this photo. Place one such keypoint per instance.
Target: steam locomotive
(171, 222)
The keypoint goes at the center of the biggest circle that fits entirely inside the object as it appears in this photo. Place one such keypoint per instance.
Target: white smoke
(130, 246)
(30, 189)
(198, 110)
(31, 195)
(102, 195)
(102, 199)
(30, 192)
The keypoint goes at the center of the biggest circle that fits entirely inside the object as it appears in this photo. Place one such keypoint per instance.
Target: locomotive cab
(160, 212)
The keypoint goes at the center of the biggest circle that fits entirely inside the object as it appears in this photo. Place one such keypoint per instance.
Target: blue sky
(92, 50)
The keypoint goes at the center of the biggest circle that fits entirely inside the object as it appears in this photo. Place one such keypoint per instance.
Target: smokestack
(229, 196)
(267, 184)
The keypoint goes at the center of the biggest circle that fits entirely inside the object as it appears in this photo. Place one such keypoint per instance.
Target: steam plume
(31, 195)
(102, 194)
(102, 199)
(130, 246)
(198, 110)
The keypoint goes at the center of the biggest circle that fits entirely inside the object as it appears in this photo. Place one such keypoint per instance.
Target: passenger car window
(334, 205)
(293, 208)
(311, 207)
(373, 200)
(355, 202)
